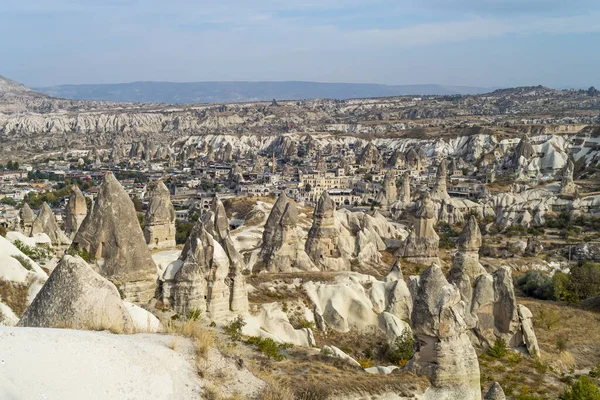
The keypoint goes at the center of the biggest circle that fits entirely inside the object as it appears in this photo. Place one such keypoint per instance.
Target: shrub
(561, 283)
(268, 347)
(182, 231)
(584, 388)
(498, 350)
(83, 253)
(24, 262)
(193, 315)
(585, 280)
(595, 372)
(365, 362)
(549, 318)
(402, 348)
(36, 253)
(304, 323)
(234, 328)
(535, 284)
(3, 231)
(562, 343)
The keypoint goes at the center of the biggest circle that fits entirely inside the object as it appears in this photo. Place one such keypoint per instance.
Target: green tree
(584, 388)
(561, 284)
(585, 280)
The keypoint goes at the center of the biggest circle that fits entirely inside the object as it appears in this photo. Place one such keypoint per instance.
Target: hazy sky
(455, 42)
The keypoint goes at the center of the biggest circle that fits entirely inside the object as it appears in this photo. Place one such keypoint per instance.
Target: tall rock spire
(422, 244)
(159, 230)
(324, 245)
(46, 223)
(282, 249)
(445, 356)
(208, 275)
(76, 211)
(111, 235)
(439, 191)
(567, 185)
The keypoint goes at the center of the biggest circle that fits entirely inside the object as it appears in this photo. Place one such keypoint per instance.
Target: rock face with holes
(75, 211)
(282, 248)
(327, 245)
(422, 244)
(159, 230)
(208, 275)
(112, 237)
(76, 297)
(46, 223)
(445, 354)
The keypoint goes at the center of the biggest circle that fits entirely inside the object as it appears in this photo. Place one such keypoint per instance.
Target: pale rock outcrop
(529, 338)
(413, 160)
(112, 236)
(75, 211)
(534, 246)
(271, 322)
(216, 223)
(472, 280)
(159, 230)
(208, 275)
(326, 246)
(445, 354)
(21, 278)
(392, 295)
(343, 305)
(422, 244)
(46, 223)
(76, 297)
(389, 193)
(393, 326)
(495, 393)
(370, 157)
(567, 186)
(406, 188)
(282, 248)
(439, 190)
(332, 351)
(236, 176)
(26, 218)
(523, 152)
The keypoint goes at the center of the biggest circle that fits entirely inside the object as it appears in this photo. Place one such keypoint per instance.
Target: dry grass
(579, 327)
(542, 379)
(174, 345)
(368, 344)
(14, 295)
(261, 296)
(316, 377)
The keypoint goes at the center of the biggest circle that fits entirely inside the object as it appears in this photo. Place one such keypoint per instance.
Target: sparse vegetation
(269, 347)
(182, 231)
(402, 349)
(234, 328)
(548, 318)
(498, 350)
(24, 262)
(36, 253)
(584, 388)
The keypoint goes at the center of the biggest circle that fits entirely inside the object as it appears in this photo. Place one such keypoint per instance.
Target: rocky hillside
(32, 122)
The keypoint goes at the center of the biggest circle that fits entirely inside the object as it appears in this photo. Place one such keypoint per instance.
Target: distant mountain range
(221, 92)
